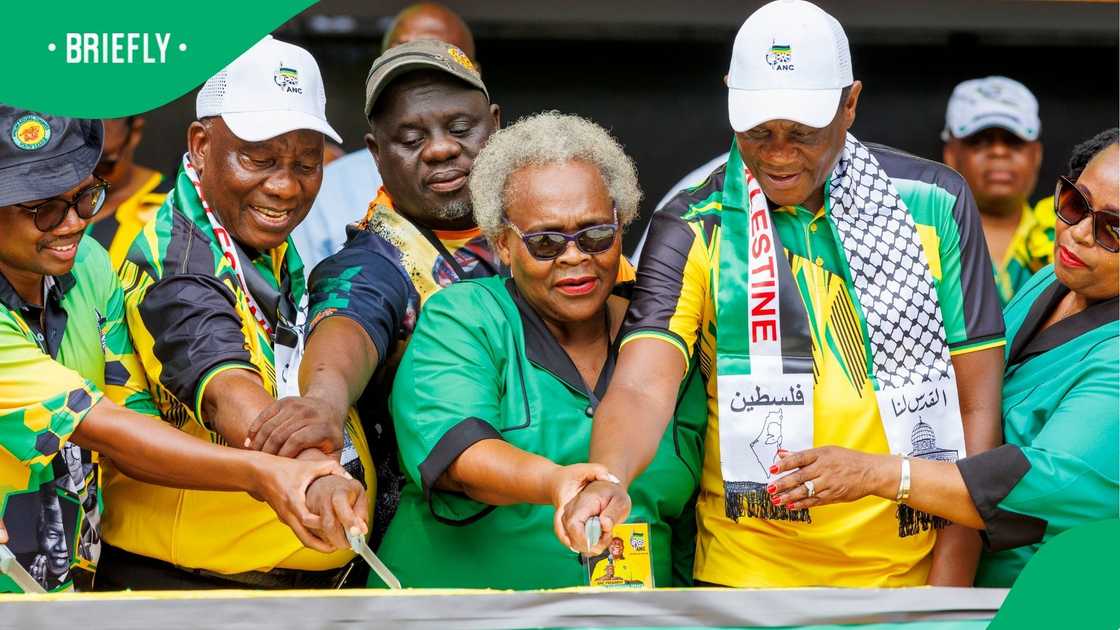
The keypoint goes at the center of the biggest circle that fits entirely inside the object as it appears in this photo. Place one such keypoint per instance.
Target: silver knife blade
(592, 530)
(358, 544)
(13, 569)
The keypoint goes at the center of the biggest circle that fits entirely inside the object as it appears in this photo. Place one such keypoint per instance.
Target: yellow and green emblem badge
(462, 59)
(31, 132)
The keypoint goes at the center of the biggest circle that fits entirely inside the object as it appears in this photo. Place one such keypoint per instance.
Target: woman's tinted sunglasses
(594, 239)
(1071, 207)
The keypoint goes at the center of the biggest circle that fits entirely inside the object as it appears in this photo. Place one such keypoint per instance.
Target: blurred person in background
(493, 401)
(1061, 406)
(135, 191)
(216, 301)
(350, 182)
(991, 138)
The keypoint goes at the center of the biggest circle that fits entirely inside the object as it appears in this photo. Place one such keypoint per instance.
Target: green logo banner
(73, 58)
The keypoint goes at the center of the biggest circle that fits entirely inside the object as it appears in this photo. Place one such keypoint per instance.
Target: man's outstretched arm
(624, 437)
(338, 362)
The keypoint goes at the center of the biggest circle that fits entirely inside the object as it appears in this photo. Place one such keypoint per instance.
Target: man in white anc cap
(832, 294)
(215, 299)
(991, 138)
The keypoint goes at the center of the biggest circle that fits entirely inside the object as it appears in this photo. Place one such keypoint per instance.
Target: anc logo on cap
(31, 132)
(462, 59)
(780, 56)
(288, 80)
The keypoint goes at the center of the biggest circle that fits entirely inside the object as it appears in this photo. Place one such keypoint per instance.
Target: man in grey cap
(430, 114)
(991, 138)
(68, 372)
(351, 181)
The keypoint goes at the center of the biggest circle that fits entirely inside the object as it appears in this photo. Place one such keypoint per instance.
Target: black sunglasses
(1072, 207)
(594, 239)
(52, 212)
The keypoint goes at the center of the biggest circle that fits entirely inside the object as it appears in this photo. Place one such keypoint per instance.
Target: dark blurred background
(651, 70)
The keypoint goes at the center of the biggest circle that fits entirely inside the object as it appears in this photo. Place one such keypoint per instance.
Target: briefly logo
(31, 132)
(288, 80)
(462, 59)
(780, 56)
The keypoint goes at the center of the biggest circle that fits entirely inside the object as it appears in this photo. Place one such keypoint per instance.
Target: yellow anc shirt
(849, 545)
(1031, 249)
(190, 321)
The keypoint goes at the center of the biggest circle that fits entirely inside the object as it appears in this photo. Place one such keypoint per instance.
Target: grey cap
(43, 156)
(1001, 102)
(421, 54)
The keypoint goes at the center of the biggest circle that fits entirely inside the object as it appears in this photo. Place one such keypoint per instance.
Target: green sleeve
(447, 393)
(1073, 460)
(970, 305)
(1066, 476)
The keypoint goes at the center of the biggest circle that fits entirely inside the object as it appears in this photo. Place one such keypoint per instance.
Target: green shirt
(1059, 466)
(56, 362)
(482, 365)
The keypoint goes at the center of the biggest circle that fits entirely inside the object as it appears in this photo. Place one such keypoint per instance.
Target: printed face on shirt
(791, 161)
(25, 249)
(259, 190)
(1001, 168)
(1079, 263)
(427, 129)
(568, 197)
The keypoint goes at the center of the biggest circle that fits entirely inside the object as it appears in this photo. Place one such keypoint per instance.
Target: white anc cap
(992, 102)
(271, 89)
(790, 62)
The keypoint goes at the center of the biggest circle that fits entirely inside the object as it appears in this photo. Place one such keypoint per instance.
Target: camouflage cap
(423, 54)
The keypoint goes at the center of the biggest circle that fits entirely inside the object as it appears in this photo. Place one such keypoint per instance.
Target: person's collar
(1029, 341)
(543, 350)
(54, 288)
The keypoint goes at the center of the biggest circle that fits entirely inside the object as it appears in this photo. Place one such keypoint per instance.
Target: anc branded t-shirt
(56, 363)
(1060, 466)
(855, 544)
(381, 278)
(1031, 249)
(190, 320)
(387, 269)
(116, 231)
(483, 365)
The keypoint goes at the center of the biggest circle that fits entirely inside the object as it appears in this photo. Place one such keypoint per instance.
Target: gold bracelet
(904, 481)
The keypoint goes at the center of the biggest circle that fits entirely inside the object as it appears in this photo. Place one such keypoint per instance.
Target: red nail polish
(774, 469)
(771, 489)
(783, 451)
(775, 500)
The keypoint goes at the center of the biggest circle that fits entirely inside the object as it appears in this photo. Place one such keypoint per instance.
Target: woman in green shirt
(494, 399)
(1059, 466)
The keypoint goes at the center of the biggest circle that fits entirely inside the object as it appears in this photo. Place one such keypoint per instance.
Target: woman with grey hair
(494, 399)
